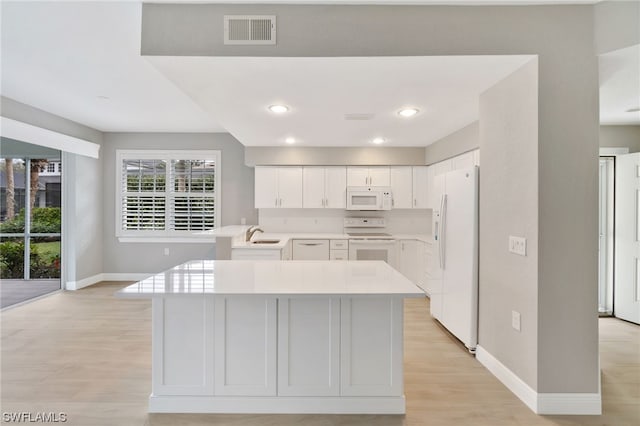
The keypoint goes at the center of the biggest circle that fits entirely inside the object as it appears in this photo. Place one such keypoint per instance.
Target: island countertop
(275, 278)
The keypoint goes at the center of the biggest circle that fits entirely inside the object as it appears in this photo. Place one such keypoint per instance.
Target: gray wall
(237, 199)
(37, 117)
(461, 141)
(508, 206)
(620, 137)
(563, 38)
(267, 156)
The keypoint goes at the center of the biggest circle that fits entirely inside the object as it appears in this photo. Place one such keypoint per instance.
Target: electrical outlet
(515, 320)
(243, 221)
(518, 245)
(166, 251)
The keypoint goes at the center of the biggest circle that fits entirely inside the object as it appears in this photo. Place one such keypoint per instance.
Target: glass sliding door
(30, 222)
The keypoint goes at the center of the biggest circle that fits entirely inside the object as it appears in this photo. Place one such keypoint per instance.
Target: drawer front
(339, 245)
(339, 255)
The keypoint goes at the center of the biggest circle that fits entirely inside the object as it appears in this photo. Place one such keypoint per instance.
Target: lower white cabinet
(260, 254)
(183, 347)
(309, 367)
(412, 261)
(245, 346)
(371, 347)
(265, 354)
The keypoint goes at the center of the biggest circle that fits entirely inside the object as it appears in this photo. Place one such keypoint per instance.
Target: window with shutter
(167, 193)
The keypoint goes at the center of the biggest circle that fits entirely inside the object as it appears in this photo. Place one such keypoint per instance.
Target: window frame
(166, 235)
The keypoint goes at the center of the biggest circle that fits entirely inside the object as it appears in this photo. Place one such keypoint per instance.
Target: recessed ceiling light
(636, 109)
(102, 97)
(408, 112)
(278, 109)
(290, 141)
(377, 141)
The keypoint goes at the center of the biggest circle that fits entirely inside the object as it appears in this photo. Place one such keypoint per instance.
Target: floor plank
(88, 355)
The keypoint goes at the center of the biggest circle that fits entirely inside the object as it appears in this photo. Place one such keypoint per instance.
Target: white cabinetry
(309, 367)
(371, 328)
(278, 187)
(420, 187)
(310, 250)
(258, 254)
(401, 187)
(463, 161)
(183, 346)
(339, 250)
(324, 187)
(412, 262)
(245, 346)
(368, 176)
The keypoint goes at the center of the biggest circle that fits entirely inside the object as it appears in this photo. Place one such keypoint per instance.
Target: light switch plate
(518, 245)
(515, 320)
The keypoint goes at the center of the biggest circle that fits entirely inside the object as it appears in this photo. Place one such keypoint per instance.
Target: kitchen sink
(265, 242)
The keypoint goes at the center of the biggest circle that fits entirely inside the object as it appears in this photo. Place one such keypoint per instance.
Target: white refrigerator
(454, 269)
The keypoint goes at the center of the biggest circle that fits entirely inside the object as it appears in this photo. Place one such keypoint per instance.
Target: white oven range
(368, 241)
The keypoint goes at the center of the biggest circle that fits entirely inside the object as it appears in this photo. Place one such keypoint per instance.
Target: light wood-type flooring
(88, 355)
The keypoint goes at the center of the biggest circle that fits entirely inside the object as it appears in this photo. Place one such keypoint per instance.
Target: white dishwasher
(310, 250)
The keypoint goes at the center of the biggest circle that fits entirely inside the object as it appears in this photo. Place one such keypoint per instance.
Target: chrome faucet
(252, 230)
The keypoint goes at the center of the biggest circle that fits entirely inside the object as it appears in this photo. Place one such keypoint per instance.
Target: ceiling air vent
(359, 116)
(249, 29)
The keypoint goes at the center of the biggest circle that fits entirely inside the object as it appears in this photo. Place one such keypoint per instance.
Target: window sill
(180, 240)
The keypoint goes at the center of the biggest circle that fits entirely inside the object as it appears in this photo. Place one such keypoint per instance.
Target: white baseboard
(134, 276)
(281, 405)
(541, 403)
(77, 285)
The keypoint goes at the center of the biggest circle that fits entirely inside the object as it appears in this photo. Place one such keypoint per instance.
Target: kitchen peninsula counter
(277, 337)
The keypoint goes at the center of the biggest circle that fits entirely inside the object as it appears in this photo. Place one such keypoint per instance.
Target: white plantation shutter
(167, 193)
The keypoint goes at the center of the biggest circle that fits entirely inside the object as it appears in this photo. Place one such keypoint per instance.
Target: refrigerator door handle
(443, 223)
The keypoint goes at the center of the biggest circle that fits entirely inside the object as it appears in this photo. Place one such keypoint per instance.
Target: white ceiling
(320, 91)
(66, 57)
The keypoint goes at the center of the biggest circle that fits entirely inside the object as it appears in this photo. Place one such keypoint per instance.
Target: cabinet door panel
(266, 187)
(420, 191)
(183, 346)
(357, 176)
(379, 176)
(309, 347)
(401, 187)
(313, 187)
(290, 187)
(245, 346)
(371, 347)
(336, 187)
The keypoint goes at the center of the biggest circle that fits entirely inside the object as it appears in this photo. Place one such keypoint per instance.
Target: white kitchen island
(277, 337)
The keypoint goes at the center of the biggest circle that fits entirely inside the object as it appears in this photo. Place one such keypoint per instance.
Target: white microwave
(368, 198)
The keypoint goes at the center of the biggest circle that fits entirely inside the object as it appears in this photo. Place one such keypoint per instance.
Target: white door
(627, 238)
(420, 192)
(605, 237)
(401, 187)
(335, 190)
(290, 187)
(313, 188)
(266, 187)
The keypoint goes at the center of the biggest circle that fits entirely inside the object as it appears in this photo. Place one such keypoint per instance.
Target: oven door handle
(364, 241)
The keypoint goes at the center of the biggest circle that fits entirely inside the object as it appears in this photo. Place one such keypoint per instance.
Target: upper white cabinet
(278, 187)
(401, 187)
(324, 187)
(409, 187)
(463, 161)
(420, 187)
(368, 176)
